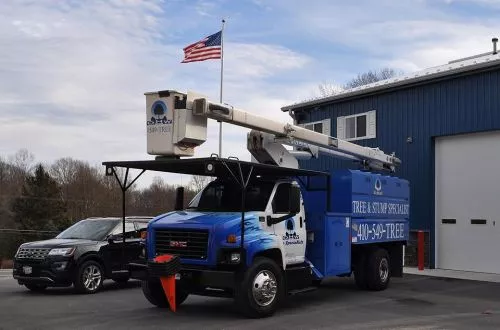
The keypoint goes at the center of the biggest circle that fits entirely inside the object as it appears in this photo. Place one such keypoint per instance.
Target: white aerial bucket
(172, 129)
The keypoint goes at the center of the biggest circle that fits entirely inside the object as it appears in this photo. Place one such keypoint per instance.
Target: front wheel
(261, 290)
(89, 277)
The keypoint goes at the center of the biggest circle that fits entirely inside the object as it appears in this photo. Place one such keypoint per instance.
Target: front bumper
(193, 278)
(55, 271)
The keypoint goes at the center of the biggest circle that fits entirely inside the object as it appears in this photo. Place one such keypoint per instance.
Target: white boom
(296, 136)
(178, 132)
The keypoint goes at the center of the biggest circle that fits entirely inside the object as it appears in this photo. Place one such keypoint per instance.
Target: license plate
(177, 276)
(27, 270)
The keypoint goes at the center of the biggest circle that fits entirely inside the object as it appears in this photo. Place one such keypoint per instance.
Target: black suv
(83, 255)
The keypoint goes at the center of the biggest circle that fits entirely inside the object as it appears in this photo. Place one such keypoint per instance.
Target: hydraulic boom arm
(293, 135)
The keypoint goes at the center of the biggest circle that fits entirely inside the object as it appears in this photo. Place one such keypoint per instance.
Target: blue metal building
(409, 116)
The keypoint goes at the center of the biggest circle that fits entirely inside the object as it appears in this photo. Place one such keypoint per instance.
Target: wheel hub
(92, 277)
(384, 270)
(264, 288)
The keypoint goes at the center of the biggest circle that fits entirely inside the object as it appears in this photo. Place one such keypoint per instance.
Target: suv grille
(33, 253)
(190, 244)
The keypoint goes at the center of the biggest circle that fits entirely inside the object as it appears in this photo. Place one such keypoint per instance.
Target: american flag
(208, 48)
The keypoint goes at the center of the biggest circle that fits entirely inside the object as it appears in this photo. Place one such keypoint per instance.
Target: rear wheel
(35, 287)
(261, 290)
(378, 270)
(153, 291)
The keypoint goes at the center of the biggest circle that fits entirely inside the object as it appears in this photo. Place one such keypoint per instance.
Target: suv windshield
(89, 229)
(225, 196)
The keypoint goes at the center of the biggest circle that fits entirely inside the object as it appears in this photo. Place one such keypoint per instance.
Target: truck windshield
(225, 196)
(89, 229)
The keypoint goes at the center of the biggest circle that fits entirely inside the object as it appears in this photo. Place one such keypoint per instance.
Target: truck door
(291, 230)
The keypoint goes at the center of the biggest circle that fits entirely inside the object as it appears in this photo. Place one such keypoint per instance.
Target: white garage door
(468, 202)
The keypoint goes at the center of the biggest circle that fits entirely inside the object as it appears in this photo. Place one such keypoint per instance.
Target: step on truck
(265, 229)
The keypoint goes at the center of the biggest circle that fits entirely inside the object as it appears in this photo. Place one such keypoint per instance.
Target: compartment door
(338, 246)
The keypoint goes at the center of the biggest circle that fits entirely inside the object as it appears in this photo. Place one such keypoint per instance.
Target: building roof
(454, 67)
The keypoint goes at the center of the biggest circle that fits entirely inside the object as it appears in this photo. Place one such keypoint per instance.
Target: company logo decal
(378, 188)
(291, 237)
(159, 114)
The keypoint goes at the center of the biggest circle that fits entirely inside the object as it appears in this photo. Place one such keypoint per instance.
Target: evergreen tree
(40, 206)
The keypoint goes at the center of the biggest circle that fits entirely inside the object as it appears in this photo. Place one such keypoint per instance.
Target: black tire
(153, 291)
(266, 269)
(82, 275)
(360, 270)
(35, 287)
(378, 273)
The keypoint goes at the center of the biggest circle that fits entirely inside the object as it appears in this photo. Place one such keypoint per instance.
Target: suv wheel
(89, 277)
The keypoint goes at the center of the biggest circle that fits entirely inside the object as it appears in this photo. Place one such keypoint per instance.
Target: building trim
(442, 71)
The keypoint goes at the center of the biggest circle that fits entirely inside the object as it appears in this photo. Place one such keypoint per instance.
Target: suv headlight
(18, 249)
(62, 252)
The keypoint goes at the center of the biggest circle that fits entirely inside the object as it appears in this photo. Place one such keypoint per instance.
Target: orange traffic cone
(168, 283)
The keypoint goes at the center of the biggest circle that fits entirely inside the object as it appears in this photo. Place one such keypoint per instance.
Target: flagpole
(221, 80)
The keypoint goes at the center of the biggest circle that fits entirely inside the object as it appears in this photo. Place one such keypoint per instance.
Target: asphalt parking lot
(415, 302)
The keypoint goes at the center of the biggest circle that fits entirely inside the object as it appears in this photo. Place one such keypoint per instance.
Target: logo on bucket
(159, 114)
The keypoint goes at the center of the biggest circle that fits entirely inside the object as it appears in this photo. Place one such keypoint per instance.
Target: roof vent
(494, 40)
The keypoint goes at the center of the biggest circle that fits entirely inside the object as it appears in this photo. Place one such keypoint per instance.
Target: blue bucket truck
(265, 229)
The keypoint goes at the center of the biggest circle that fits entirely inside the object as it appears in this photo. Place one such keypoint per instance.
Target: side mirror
(294, 200)
(114, 238)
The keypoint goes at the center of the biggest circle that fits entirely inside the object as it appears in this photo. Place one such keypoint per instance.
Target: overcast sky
(73, 73)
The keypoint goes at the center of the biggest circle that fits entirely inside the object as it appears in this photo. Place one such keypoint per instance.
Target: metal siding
(457, 105)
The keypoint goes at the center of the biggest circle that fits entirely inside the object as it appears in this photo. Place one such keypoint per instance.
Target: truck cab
(207, 233)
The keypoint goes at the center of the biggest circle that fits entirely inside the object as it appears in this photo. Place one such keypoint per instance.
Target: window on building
(357, 127)
(322, 126)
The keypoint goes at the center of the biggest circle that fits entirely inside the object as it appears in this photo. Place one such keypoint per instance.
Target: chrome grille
(185, 243)
(33, 253)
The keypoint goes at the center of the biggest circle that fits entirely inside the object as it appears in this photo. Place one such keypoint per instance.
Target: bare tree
(198, 182)
(23, 160)
(328, 89)
(365, 78)
(371, 77)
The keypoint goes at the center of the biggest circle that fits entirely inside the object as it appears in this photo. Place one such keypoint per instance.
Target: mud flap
(166, 266)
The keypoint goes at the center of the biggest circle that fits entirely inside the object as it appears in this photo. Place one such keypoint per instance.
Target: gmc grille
(190, 244)
(33, 253)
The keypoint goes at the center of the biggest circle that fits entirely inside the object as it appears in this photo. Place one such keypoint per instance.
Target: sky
(73, 73)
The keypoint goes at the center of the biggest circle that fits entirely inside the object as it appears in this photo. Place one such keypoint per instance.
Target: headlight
(235, 257)
(62, 252)
(17, 252)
